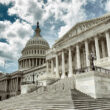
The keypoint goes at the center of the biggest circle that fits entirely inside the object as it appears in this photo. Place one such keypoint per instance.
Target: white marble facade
(68, 54)
(71, 52)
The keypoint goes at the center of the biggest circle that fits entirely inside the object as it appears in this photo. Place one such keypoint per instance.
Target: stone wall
(28, 88)
(60, 85)
(94, 84)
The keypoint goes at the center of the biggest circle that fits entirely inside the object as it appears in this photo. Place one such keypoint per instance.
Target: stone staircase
(55, 100)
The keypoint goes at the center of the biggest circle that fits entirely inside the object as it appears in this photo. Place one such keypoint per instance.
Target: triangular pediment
(83, 26)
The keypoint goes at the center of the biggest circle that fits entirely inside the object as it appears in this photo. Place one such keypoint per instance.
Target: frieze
(83, 26)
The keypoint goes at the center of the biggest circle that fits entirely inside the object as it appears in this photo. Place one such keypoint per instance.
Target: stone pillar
(103, 49)
(47, 65)
(97, 48)
(70, 64)
(29, 63)
(39, 61)
(87, 53)
(57, 67)
(6, 85)
(26, 63)
(23, 63)
(63, 65)
(17, 84)
(12, 85)
(52, 67)
(36, 61)
(32, 62)
(78, 57)
(108, 42)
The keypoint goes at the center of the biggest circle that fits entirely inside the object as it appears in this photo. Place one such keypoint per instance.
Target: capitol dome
(34, 53)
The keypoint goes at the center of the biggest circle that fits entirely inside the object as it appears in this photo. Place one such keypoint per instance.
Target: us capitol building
(78, 63)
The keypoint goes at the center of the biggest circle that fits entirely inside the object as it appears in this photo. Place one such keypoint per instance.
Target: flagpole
(4, 66)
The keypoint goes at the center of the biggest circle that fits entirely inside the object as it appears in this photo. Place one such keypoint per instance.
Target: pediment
(84, 26)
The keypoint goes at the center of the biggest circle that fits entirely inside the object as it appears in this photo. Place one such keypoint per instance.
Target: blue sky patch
(4, 13)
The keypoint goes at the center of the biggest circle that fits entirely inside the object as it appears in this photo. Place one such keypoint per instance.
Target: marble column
(87, 53)
(78, 57)
(63, 65)
(108, 42)
(97, 48)
(57, 67)
(29, 63)
(103, 49)
(52, 67)
(39, 61)
(6, 85)
(70, 63)
(26, 63)
(33, 62)
(47, 67)
(36, 61)
(23, 63)
(17, 84)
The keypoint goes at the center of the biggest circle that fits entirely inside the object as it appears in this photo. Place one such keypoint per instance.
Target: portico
(99, 44)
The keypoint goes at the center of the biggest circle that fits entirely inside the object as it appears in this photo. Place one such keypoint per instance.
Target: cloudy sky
(18, 20)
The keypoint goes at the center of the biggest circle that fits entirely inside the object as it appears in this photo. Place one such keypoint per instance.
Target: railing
(87, 69)
(26, 82)
(100, 69)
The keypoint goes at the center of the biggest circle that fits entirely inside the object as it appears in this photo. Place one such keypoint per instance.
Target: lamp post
(92, 57)
(33, 78)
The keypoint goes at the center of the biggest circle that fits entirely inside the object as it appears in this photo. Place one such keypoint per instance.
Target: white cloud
(75, 13)
(16, 35)
(6, 1)
(68, 11)
(2, 62)
(107, 5)
(28, 10)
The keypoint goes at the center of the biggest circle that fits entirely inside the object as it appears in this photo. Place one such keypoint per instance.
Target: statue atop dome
(38, 30)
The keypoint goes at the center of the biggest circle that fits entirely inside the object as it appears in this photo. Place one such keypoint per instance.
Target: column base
(63, 76)
(57, 76)
(70, 75)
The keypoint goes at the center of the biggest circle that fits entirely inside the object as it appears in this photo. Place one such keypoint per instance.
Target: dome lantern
(38, 30)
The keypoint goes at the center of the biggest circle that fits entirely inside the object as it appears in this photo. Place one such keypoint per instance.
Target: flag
(2, 63)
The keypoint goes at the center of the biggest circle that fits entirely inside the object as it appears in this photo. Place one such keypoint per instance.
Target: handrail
(26, 82)
(87, 69)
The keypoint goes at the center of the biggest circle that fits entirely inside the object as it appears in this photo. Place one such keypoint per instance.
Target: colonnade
(3, 85)
(27, 63)
(99, 45)
(14, 84)
(10, 85)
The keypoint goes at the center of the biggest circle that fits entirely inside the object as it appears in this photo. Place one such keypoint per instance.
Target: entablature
(81, 28)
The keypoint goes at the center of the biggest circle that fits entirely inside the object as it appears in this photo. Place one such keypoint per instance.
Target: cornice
(31, 57)
(34, 69)
(99, 20)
